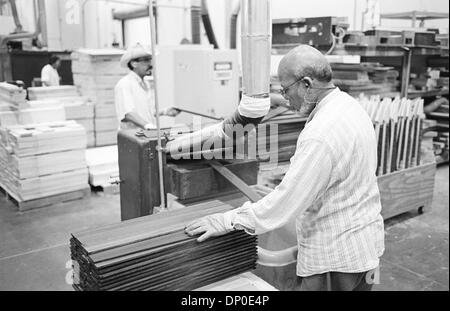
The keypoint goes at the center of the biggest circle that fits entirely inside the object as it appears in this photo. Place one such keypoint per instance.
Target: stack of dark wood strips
(154, 253)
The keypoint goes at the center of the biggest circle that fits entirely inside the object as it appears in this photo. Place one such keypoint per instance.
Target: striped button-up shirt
(330, 189)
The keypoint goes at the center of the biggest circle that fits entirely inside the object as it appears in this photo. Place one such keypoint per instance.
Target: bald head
(305, 61)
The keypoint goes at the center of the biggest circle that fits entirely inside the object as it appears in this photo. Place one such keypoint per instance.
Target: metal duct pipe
(233, 24)
(207, 24)
(42, 20)
(256, 47)
(131, 13)
(196, 9)
(255, 104)
(15, 14)
(23, 35)
(158, 125)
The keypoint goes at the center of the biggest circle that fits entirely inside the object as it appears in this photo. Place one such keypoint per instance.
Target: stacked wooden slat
(367, 78)
(11, 96)
(277, 137)
(427, 151)
(398, 126)
(441, 115)
(52, 92)
(441, 141)
(42, 160)
(77, 108)
(96, 72)
(154, 253)
(32, 116)
(103, 165)
(441, 147)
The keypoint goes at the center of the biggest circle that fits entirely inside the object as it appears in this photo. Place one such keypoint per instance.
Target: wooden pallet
(47, 201)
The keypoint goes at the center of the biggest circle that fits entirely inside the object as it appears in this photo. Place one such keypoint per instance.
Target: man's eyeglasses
(284, 90)
(143, 60)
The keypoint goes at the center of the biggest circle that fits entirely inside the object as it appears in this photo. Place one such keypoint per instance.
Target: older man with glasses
(134, 98)
(330, 189)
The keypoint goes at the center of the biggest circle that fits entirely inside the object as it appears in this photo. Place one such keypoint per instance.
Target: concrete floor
(34, 245)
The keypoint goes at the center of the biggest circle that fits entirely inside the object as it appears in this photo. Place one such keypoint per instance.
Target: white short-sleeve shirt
(132, 94)
(50, 76)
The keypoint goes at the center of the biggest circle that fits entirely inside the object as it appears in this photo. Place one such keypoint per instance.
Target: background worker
(134, 99)
(330, 188)
(49, 73)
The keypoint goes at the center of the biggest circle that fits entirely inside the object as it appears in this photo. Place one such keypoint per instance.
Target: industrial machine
(315, 31)
(187, 181)
(198, 78)
(386, 37)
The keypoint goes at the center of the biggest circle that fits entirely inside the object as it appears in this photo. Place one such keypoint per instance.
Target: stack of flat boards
(42, 160)
(277, 137)
(43, 93)
(76, 107)
(441, 141)
(11, 96)
(103, 165)
(367, 78)
(441, 115)
(398, 127)
(96, 73)
(153, 253)
(32, 116)
(427, 149)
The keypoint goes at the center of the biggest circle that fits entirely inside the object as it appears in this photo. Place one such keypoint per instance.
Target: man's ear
(307, 81)
(133, 64)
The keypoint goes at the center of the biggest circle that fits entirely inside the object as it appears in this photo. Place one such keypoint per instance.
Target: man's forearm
(135, 119)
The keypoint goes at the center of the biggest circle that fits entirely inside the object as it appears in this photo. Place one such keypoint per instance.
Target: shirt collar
(135, 76)
(323, 102)
(138, 79)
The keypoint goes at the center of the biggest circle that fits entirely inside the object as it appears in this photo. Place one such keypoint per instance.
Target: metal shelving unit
(405, 52)
(431, 93)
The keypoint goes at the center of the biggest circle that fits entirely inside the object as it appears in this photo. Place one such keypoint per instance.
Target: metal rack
(406, 53)
(415, 16)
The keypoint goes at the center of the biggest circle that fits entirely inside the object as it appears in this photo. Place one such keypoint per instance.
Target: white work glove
(211, 226)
